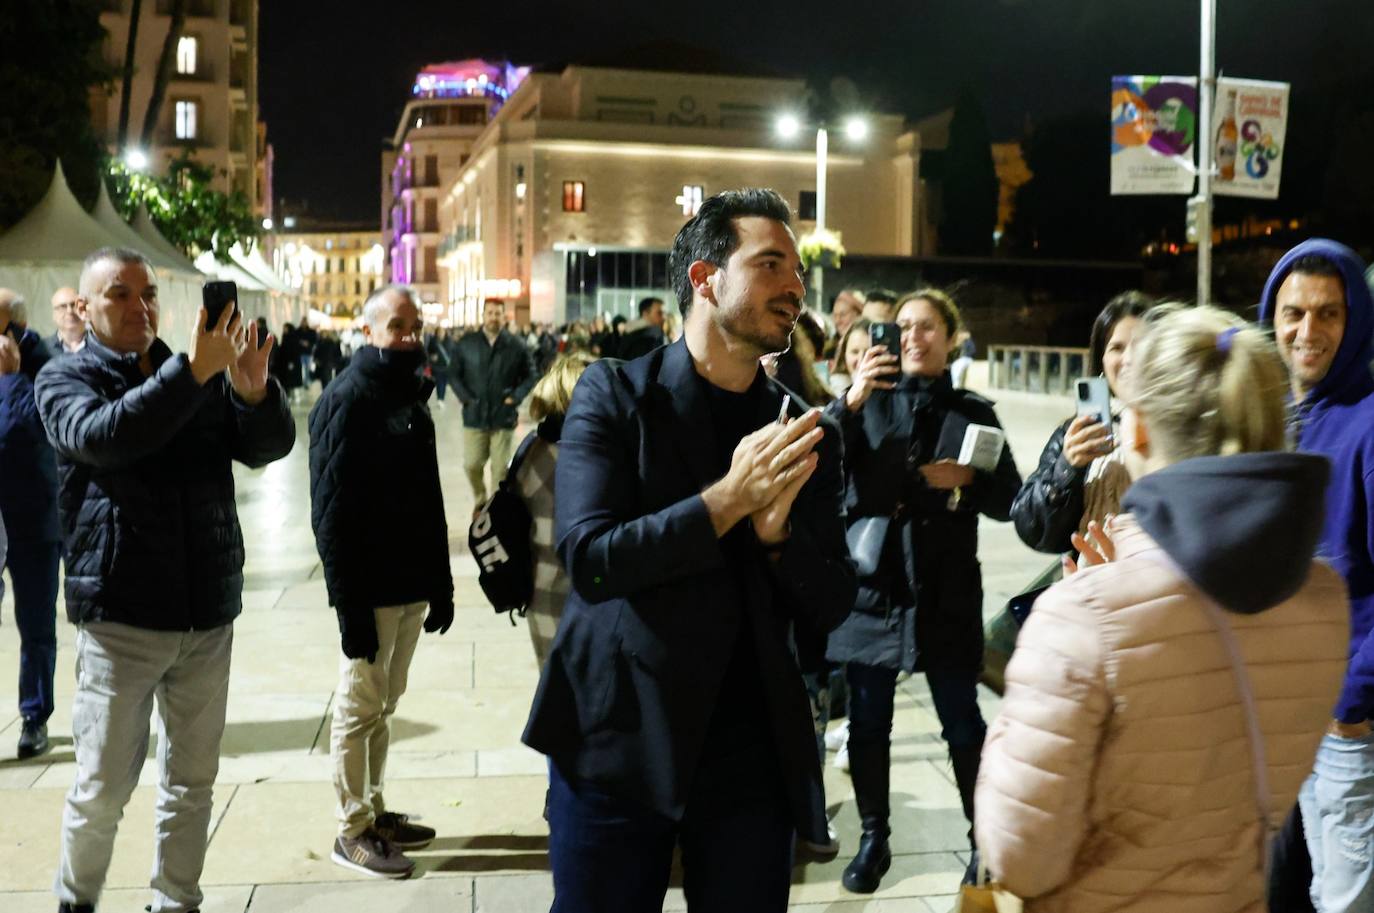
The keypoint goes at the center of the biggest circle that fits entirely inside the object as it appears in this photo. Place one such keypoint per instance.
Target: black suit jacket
(653, 617)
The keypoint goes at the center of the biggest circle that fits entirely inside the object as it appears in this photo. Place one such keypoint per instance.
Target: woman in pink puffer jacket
(1121, 774)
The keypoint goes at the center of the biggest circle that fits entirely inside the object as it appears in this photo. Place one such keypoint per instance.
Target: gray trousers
(121, 671)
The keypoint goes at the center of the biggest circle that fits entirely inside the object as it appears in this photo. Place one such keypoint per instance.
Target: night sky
(335, 77)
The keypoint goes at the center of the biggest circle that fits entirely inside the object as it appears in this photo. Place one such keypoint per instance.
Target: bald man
(66, 316)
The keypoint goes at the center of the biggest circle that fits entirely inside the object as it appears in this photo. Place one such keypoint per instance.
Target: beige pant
(366, 699)
(478, 446)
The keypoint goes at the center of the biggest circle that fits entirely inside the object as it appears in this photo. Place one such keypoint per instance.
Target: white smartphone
(1094, 397)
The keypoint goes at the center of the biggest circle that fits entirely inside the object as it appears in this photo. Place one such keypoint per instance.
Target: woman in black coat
(920, 603)
(1081, 475)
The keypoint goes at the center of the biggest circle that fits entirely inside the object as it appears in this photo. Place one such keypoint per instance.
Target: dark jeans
(440, 384)
(1290, 868)
(613, 856)
(871, 692)
(33, 571)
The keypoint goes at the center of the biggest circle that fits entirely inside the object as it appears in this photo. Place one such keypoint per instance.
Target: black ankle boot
(868, 768)
(865, 872)
(965, 760)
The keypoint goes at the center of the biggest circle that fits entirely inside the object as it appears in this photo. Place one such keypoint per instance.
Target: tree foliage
(48, 68)
(185, 207)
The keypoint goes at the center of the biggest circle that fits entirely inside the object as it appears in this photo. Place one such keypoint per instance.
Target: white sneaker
(842, 758)
(838, 737)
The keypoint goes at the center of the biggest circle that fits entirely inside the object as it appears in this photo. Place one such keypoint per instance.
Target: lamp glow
(788, 126)
(136, 159)
(856, 128)
(267, 224)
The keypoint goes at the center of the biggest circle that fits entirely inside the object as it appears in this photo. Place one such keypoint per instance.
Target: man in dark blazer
(697, 530)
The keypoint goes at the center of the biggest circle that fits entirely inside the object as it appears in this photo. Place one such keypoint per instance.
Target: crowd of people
(1186, 722)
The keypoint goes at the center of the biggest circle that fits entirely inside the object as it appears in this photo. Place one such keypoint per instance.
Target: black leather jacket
(1049, 506)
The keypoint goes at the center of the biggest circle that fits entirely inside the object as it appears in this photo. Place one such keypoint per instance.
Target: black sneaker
(65, 907)
(399, 830)
(372, 854)
(33, 739)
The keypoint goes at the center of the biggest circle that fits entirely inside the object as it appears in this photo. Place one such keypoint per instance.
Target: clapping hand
(9, 356)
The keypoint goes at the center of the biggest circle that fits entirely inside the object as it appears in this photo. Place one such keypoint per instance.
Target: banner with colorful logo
(1154, 129)
(1251, 126)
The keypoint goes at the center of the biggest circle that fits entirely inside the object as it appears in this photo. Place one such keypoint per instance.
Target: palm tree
(164, 70)
(134, 15)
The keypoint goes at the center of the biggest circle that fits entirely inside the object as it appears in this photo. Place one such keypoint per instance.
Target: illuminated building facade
(334, 270)
(566, 199)
(211, 105)
(450, 107)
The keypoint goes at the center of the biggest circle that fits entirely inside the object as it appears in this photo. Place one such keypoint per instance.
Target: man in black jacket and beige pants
(145, 442)
(378, 515)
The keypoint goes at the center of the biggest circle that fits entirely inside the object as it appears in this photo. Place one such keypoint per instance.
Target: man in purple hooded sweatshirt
(1323, 318)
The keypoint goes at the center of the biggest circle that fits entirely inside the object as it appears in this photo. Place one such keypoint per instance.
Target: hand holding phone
(1089, 435)
(887, 334)
(216, 296)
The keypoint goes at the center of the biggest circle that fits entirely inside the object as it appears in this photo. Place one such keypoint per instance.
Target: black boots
(868, 768)
(965, 760)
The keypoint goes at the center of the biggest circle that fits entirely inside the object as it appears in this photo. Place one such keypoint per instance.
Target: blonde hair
(1208, 383)
(554, 391)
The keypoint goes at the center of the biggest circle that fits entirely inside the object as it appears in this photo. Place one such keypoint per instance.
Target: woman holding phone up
(1082, 477)
(913, 517)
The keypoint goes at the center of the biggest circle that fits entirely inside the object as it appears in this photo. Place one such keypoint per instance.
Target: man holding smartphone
(145, 440)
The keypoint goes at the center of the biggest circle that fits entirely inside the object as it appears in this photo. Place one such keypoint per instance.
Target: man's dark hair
(1316, 265)
(710, 234)
(1126, 304)
(647, 305)
(882, 296)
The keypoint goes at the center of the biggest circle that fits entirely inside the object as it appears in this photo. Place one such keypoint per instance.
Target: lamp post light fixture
(136, 159)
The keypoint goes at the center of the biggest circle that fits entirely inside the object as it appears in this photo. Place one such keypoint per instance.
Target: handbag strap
(1217, 615)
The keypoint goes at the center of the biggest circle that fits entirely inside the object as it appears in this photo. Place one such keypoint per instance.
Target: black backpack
(499, 539)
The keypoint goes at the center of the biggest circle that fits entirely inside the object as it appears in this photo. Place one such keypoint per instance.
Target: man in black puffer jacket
(145, 440)
(378, 515)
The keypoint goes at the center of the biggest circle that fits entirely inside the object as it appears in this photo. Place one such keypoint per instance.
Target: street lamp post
(856, 129)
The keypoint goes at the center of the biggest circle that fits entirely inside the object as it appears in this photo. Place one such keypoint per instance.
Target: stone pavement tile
(263, 667)
(488, 825)
(443, 662)
(520, 760)
(911, 876)
(421, 765)
(470, 720)
(229, 899)
(506, 664)
(527, 893)
(942, 903)
(899, 905)
(30, 850)
(424, 895)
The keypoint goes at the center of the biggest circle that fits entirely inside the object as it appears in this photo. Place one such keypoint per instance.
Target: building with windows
(334, 267)
(210, 108)
(566, 200)
(450, 107)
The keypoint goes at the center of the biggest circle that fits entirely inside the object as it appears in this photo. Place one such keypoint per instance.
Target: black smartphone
(887, 334)
(216, 296)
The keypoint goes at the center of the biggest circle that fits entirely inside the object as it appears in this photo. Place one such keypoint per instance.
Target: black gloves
(358, 631)
(440, 616)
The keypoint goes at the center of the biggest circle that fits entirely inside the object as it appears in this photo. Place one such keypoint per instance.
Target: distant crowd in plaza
(733, 531)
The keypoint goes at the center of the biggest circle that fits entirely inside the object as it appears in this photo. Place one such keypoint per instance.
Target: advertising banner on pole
(1251, 124)
(1154, 128)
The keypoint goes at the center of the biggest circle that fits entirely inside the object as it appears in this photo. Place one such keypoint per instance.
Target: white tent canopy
(153, 239)
(44, 252)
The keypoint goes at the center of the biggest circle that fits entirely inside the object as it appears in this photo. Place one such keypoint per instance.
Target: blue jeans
(1338, 817)
(955, 694)
(609, 855)
(33, 571)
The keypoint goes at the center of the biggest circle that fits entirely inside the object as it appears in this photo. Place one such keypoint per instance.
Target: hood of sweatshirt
(1243, 528)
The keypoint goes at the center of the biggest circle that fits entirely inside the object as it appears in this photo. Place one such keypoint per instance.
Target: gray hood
(1243, 528)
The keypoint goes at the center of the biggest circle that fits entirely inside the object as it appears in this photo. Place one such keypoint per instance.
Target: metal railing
(1036, 369)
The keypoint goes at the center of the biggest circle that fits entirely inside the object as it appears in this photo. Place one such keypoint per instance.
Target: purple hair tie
(1224, 339)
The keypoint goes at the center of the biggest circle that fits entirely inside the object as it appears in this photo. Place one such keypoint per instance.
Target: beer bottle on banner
(1228, 139)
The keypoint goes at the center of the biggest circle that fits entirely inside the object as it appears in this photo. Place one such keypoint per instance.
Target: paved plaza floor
(456, 759)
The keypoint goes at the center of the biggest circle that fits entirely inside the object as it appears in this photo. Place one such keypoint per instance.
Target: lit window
(186, 55)
(574, 196)
(690, 200)
(186, 119)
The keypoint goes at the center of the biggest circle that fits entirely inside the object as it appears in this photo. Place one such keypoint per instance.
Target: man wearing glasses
(66, 316)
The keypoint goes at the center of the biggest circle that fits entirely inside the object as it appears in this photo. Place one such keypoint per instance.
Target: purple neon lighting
(464, 78)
